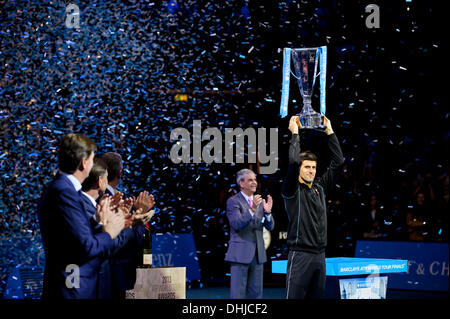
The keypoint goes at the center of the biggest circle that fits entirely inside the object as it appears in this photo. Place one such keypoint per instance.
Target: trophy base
(312, 121)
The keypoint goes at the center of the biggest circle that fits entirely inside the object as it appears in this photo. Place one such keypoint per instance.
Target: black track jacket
(306, 207)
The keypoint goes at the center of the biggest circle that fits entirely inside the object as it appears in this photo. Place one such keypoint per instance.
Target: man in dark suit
(247, 214)
(125, 261)
(93, 188)
(72, 249)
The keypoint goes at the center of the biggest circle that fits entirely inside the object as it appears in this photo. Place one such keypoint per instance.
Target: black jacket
(306, 207)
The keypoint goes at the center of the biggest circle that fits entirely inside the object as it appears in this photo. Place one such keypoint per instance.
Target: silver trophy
(305, 65)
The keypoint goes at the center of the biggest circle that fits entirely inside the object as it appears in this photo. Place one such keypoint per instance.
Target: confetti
(115, 79)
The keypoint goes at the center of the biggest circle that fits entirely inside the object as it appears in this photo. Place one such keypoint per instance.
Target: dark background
(116, 79)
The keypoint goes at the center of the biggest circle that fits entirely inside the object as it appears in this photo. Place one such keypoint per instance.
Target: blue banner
(428, 263)
(176, 250)
(322, 52)
(285, 81)
(345, 266)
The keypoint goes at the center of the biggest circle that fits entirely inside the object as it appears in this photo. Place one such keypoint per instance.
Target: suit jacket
(246, 232)
(69, 239)
(125, 260)
(126, 235)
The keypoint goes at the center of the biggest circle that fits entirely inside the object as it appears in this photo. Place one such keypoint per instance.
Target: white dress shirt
(75, 182)
(111, 190)
(90, 198)
(93, 203)
(246, 199)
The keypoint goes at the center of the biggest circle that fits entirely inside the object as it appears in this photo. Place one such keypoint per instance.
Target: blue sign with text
(344, 266)
(176, 250)
(428, 264)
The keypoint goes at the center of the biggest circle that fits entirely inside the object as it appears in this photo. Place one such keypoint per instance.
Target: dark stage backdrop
(117, 76)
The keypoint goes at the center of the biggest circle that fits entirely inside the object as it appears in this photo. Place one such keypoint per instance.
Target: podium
(159, 283)
(354, 278)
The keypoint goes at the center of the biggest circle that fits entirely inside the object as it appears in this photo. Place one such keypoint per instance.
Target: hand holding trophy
(294, 124)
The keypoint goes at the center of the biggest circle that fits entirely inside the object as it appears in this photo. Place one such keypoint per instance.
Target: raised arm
(289, 186)
(329, 178)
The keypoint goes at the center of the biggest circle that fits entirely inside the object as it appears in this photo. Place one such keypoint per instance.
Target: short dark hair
(308, 156)
(73, 148)
(113, 162)
(98, 170)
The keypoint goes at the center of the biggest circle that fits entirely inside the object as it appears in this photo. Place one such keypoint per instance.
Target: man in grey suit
(247, 214)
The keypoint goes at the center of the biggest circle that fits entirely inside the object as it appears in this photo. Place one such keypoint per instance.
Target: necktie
(250, 202)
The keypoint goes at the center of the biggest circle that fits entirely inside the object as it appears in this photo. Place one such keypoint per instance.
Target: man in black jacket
(305, 202)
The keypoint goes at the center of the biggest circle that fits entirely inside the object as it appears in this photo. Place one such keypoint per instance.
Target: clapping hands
(268, 205)
(257, 200)
(144, 204)
(145, 201)
(112, 223)
(141, 218)
(114, 210)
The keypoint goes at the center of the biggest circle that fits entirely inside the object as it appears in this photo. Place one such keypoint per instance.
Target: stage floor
(224, 293)
(279, 293)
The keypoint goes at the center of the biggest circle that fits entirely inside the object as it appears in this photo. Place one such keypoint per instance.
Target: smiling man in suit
(125, 260)
(72, 249)
(247, 214)
(93, 188)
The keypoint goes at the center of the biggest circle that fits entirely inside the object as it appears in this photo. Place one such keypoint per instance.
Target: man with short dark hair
(97, 179)
(93, 188)
(72, 249)
(247, 214)
(114, 165)
(126, 259)
(305, 203)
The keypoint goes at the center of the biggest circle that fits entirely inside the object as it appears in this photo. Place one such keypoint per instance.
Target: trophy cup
(306, 62)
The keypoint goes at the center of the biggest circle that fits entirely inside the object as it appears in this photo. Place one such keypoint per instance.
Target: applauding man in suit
(72, 249)
(124, 262)
(247, 214)
(93, 187)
